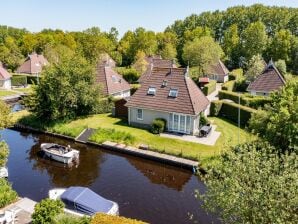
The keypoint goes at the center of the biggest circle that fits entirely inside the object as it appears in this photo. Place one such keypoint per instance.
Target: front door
(180, 123)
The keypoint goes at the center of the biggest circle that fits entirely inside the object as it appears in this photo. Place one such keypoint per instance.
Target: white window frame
(173, 90)
(140, 118)
(179, 130)
(151, 91)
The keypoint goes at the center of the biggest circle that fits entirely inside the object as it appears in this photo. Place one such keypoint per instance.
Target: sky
(78, 15)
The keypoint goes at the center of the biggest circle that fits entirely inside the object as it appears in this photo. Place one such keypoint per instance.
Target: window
(151, 91)
(173, 93)
(139, 114)
(164, 83)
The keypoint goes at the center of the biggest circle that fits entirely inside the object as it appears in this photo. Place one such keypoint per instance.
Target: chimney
(187, 72)
(173, 62)
(151, 66)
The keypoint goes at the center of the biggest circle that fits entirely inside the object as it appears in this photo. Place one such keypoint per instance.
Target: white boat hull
(66, 157)
(3, 172)
(61, 159)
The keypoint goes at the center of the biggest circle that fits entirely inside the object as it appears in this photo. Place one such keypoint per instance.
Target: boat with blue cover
(82, 201)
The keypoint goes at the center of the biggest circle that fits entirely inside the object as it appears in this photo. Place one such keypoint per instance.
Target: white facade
(122, 94)
(5, 84)
(219, 78)
(176, 122)
(259, 93)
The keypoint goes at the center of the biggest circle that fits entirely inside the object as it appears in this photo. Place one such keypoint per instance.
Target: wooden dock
(147, 154)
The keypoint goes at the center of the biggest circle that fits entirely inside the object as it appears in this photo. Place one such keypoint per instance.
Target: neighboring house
(111, 82)
(153, 62)
(168, 93)
(5, 78)
(269, 80)
(218, 72)
(33, 64)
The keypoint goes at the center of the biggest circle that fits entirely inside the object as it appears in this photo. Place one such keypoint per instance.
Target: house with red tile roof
(218, 71)
(268, 81)
(112, 83)
(155, 61)
(168, 93)
(5, 78)
(33, 64)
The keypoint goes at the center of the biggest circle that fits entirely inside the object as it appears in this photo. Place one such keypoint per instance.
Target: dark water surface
(144, 190)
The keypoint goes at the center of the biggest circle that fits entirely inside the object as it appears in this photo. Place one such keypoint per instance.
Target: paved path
(85, 134)
(214, 95)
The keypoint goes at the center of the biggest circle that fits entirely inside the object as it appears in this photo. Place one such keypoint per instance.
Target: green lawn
(229, 136)
(27, 90)
(7, 93)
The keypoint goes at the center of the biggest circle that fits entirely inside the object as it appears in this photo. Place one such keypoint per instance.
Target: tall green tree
(10, 54)
(231, 45)
(254, 68)
(202, 52)
(253, 184)
(254, 39)
(278, 122)
(67, 89)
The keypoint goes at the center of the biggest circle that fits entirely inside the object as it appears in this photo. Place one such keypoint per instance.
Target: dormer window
(151, 91)
(164, 83)
(173, 93)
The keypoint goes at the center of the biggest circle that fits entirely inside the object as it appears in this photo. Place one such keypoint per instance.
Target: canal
(145, 190)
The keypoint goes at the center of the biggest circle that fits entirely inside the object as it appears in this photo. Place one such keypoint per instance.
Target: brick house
(33, 64)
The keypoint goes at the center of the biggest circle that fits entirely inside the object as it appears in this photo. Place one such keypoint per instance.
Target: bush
(134, 88)
(104, 105)
(203, 120)
(7, 194)
(158, 125)
(215, 107)
(101, 218)
(240, 85)
(46, 210)
(245, 99)
(129, 74)
(230, 111)
(229, 86)
(19, 80)
(209, 88)
(69, 219)
(105, 134)
(32, 80)
(236, 74)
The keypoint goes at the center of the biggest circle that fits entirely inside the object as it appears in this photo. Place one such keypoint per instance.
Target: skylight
(164, 83)
(151, 91)
(114, 78)
(173, 93)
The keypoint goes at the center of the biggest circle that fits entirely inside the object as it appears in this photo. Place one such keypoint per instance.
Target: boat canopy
(86, 201)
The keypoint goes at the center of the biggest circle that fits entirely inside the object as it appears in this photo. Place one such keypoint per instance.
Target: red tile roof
(190, 99)
(269, 80)
(218, 69)
(110, 81)
(33, 64)
(203, 79)
(4, 75)
(156, 61)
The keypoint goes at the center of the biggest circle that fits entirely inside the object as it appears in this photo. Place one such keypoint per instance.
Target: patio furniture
(205, 130)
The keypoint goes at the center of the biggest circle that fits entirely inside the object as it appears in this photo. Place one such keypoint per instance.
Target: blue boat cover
(86, 201)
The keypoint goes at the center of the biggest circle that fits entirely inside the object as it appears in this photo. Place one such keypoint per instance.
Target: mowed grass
(204, 153)
(27, 89)
(7, 93)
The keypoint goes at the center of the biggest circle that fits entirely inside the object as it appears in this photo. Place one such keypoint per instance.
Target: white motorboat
(60, 153)
(81, 201)
(3, 172)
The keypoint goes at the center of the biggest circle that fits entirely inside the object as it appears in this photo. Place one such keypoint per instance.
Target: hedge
(236, 74)
(245, 100)
(229, 86)
(19, 80)
(209, 88)
(32, 79)
(230, 111)
(101, 218)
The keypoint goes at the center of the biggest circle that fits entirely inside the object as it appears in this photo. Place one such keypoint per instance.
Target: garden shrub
(129, 74)
(32, 79)
(230, 111)
(209, 88)
(106, 134)
(19, 80)
(215, 107)
(101, 218)
(240, 85)
(158, 125)
(203, 119)
(7, 194)
(245, 99)
(70, 219)
(229, 86)
(236, 74)
(46, 210)
(105, 105)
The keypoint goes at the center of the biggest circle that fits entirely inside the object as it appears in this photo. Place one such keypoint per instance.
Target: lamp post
(238, 118)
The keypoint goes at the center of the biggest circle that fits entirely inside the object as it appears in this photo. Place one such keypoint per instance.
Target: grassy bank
(205, 153)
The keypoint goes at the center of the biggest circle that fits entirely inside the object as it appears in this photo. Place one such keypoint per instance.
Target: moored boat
(82, 201)
(60, 153)
(3, 172)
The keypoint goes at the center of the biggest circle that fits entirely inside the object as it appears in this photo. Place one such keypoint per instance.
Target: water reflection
(144, 190)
